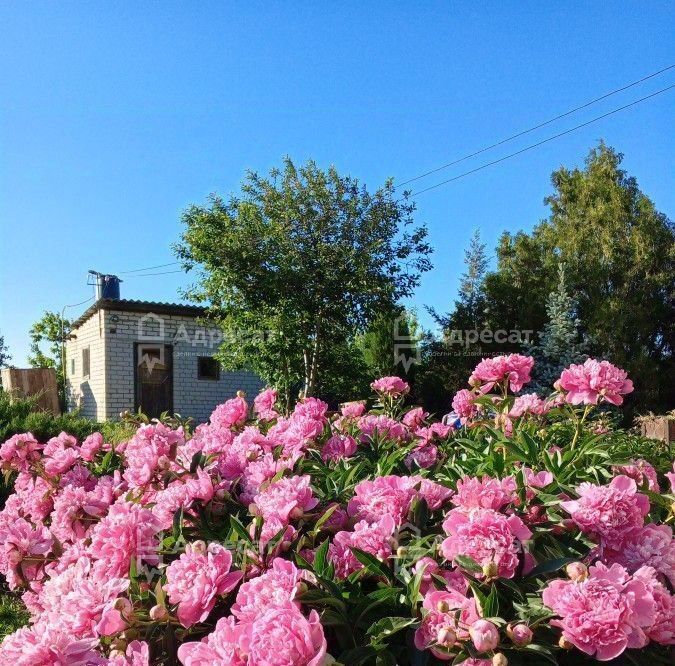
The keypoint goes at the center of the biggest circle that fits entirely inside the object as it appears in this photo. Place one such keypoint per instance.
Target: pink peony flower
(415, 417)
(48, 645)
(641, 472)
(451, 611)
(453, 577)
(274, 589)
(91, 446)
(487, 536)
(23, 549)
(137, 654)
(374, 538)
(608, 513)
(19, 451)
(671, 477)
(60, 461)
(463, 404)
(288, 498)
(197, 578)
(263, 405)
(530, 403)
(285, 637)
(84, 600)
(353, 410)
(604, 614)
(514, 368)
(149, 452)
(486, 493)
(392, 387)
(76, 510)
(662, 630)
(311, 408)
(232, 412)
(484, 635)
(424, 456)
(434, 494)
(339, 447)
(593, 382)
(651, 545)
(128, 532)
(373, 426)
(227, 644)
(385, 495)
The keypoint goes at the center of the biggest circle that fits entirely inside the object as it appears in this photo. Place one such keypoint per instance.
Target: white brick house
(125, 354)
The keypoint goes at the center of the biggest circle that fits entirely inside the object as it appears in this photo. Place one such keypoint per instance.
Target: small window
(72, 366)
(208, 368)
(85, 362)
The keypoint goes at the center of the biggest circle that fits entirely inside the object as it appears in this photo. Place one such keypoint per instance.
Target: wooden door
(153, 378)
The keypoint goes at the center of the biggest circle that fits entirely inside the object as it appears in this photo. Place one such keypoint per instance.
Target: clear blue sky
(115, 116)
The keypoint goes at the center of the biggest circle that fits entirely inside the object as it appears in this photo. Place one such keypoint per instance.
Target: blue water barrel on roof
(109, 287)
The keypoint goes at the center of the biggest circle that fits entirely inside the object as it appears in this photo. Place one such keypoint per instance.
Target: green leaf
(372, 564)
(551, 565)
(236, 525)
(320, 558)
(468, 563)
(387, 626)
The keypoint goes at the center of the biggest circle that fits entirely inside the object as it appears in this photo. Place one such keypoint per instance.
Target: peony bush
(523, 530)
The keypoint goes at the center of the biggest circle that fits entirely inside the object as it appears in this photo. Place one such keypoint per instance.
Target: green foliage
(19, 415)
(619, 256)
(5, 356)
(13, 614)
(299, 263)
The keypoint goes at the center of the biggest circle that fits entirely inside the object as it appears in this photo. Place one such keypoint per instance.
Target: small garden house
(127, 354)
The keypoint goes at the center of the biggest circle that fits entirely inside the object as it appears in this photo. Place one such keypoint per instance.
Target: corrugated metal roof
(130, 305)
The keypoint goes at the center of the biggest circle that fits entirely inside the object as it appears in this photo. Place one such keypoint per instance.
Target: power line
(536, 127)
(543, 141)
(149, 268)
(162, 273)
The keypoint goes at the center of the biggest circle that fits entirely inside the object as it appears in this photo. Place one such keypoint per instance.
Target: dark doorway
(153, 378)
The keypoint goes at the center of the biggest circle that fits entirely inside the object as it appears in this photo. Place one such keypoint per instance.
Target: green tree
(297, 265)
(5, 356)
(561, 343)
(46, 348)
(619, 253)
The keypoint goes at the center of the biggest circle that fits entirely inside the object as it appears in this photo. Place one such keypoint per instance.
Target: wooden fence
(33, 382)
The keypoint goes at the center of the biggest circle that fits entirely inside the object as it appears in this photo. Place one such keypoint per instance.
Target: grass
(13, 614)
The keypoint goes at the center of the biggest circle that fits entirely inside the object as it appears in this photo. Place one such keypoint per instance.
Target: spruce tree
(561, 342)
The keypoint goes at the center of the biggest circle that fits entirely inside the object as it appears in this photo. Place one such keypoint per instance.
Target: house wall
(192, 397)
(87, 393)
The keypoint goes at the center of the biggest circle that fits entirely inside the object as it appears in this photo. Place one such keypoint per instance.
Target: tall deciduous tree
(619, 253)
(298, 264)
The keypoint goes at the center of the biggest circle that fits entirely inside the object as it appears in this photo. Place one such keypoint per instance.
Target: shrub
(533, 530)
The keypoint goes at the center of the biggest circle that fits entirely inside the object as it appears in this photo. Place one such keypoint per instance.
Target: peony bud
(577, 571)
(500, 660)
(401, 551)
(520, 634)
(446, 637)
(158, 613)
(442, 606)
(565, 644)
(241, 394)
(124, 606)
(484, 635)
(199, 546)
(490, 569)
